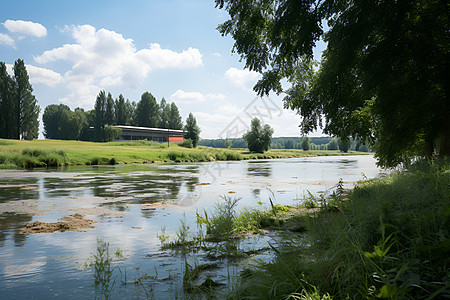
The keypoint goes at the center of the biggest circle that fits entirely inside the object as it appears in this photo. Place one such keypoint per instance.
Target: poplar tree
(26, 107)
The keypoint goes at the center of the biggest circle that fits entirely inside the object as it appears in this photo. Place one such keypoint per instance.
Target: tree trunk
(445, 136)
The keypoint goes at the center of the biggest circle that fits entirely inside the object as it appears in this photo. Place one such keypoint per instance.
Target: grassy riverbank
(42, 153)
(388, 239)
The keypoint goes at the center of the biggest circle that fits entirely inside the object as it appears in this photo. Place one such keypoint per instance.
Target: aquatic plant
(103, 271)
(389, 239)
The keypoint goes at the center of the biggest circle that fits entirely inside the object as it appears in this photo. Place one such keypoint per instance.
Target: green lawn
(41, 153)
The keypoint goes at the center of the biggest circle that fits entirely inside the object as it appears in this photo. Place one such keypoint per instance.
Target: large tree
(147, 111)
(62, 123)
(7, 117)
(192, 130)
(174, 117)
(258, 137)
(100, 117)
(26, 109)
(110, 116)
(383, 77)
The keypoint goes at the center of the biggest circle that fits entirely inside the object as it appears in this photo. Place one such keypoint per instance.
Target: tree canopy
(258, 137)
(192, 130)
(383, 79)
(19, 109)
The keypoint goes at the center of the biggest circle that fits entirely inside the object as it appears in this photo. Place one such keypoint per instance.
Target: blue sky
(171, 48)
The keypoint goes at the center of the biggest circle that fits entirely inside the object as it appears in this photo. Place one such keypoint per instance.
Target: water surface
(120, 200)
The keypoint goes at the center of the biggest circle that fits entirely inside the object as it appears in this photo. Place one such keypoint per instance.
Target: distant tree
(332, 145)
(259, 137)
(174, 118)
(192, 130)
(228, 143)
(87, 134)
(100, 117)
(26, 107)
(344, 145)
(289, 144)
(7, 105)
(110, 118)
(164, 112)
(121, 111)
(363, 148)
(305, 143)
(62, 123)
(147, 111)
(111, 133)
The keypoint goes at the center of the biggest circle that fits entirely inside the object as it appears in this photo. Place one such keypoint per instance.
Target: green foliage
(187, 143)
(305, 144)
(62, 123)
(389, 240)
(344, 145)
(19, 108)
(367, 85)
(332, 145)
(259, 137)
(192, 130)
(103, 272)
(147, 111)
(221, 225)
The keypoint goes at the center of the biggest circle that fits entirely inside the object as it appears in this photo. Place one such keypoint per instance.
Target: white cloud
(241, 78)
(103, 58)
(25, 27)
(44, 76)
(187, 97)
(6, 40)
(213, 96)
(38, 75)
(182, 97)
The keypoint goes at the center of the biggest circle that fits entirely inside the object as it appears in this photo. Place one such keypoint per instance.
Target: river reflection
(259, 168)
(130, 204)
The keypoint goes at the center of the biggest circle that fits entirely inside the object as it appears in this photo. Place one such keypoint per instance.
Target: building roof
(148, 129)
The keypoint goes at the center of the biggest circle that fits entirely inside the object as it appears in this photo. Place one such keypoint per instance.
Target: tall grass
(390, 240)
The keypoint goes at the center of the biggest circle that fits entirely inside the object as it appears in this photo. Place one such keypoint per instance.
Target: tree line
(19, 110)
(60, 122)
(305, 143)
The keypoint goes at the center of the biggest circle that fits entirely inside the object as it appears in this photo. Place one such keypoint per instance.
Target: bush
(186, 144)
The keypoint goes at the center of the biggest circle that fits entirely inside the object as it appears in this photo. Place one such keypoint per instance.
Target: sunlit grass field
(44, 153)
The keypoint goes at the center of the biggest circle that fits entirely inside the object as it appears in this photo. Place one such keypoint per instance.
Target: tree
(120, 108)
(383, 78)
(192, 130)
(174, 117)
(147, 111)
(305, 143)
(26, 107)
(332, 145)
(62, 123)
(7, 105)
(344, 145)
(164, 111)
(109, 111)
(100, 118)
(228, 143)
(258, 137)
(289, 144)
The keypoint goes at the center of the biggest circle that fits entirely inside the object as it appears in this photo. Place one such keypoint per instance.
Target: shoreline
(15, 154)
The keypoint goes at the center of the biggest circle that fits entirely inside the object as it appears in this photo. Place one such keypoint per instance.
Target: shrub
(186, 144)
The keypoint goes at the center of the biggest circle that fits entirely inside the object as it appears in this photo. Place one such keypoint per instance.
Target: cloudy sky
(171, 48)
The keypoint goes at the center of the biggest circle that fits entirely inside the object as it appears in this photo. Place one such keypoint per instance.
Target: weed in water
(103, 272)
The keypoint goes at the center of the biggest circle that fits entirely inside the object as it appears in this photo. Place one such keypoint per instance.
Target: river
(129, 205)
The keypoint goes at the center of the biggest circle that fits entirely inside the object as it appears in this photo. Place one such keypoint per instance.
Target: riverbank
(388, 238)
(50, 153)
